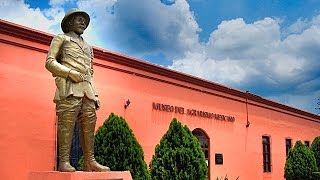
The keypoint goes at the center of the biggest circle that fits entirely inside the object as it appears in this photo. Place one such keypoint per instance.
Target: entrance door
(76, 151)
(205, 145)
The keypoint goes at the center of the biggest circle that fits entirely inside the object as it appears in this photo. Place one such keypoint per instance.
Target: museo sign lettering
(191, 112)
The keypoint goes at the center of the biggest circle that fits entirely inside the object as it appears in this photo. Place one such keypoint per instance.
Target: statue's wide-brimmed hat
(69, 14)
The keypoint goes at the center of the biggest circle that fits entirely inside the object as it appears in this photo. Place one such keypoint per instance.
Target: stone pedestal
(79, 175)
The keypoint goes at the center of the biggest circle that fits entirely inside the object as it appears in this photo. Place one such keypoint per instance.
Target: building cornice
(23, 32)
(29, 34)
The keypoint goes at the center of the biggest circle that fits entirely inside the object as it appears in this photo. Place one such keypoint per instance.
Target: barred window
(288, 146)
(266, 154)
(204, 141)
(205, 145)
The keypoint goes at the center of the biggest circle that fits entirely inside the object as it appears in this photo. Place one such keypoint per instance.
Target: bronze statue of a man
(70, 60)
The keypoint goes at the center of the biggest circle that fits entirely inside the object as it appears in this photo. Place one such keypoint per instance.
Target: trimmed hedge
(315, 148)
(178, 156)
(300, 164)
(117, 147)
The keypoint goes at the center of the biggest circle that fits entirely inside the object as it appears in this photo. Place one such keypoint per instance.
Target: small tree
(315, 148)
(117, 147)
(178, 156)
(300, 164)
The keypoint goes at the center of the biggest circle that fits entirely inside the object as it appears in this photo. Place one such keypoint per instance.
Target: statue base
(80, 175)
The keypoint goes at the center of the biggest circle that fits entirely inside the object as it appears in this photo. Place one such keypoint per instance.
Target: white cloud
(236, 39)
(59, 2)
(235, 51)
(147, 27)
(138, 29)
(254, 57)
(99, 32)
(19, 12)
(227, 71)
(284, 67)
(298, 26)
(257, 50)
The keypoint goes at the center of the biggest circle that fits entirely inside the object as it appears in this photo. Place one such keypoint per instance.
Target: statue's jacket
(69, 52)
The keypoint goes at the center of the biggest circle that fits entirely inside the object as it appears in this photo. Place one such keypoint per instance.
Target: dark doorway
(76, 151)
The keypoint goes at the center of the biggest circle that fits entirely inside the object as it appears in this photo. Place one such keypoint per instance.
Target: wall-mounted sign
(218, 158)
(191, 112)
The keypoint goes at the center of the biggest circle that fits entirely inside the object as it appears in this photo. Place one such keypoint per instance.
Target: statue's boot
(87, 143)
(65, 133)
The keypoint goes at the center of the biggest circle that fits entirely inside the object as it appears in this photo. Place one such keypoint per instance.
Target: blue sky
(268, 47)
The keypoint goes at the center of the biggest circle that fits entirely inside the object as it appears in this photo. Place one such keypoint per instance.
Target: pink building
(243, 135)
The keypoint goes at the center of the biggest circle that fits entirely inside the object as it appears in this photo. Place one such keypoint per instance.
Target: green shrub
(300, 164)
(178, 156)
(315, 148)
(117, 147)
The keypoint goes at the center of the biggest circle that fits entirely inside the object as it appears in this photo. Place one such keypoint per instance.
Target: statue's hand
(97, 103)
(75, 76)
